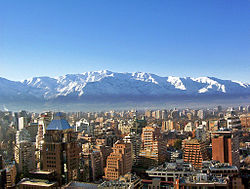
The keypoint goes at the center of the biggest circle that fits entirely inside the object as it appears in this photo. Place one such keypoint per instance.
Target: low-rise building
(128, 181)
(171, 171)
(36, 184)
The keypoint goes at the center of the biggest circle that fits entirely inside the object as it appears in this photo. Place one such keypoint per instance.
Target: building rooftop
(180, 166)
(58, 123)
(123, 181)
(43, 172)
(37, 182)
(81, 185)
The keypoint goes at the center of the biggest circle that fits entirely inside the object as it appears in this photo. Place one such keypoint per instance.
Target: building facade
(119, 162)
(60, 150)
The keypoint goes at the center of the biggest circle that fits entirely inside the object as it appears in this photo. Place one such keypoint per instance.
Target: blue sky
(167, 37)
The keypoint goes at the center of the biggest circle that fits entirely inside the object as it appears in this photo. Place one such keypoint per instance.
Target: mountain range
(112, 86)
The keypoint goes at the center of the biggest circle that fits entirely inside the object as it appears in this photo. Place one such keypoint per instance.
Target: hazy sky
(167, 37)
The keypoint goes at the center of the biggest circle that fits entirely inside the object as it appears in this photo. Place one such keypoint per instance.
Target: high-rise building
(201, 133)
(164, 114)
(11, 174)
(201, 114)
(248, 108)
(225, 147)
(245, 121)
(82, 125)
(219, 108)
(167, 125)
(153, 149)
(137, 125)
(158, 114)
(195, 152)
(189, 127)
(174, 114)
(233, 122)
(119, 162)
(22, 122)
(135, 141)
(25, 156)
(91, 165)
(60, 150)
(148, 113)
(24, 152)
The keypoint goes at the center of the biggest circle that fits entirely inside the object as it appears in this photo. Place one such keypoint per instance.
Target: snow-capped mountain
(107, 83)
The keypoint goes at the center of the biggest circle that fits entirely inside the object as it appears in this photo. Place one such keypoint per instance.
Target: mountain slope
(108, 84)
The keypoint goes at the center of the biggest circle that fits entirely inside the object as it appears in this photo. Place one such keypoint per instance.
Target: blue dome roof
(58, 123)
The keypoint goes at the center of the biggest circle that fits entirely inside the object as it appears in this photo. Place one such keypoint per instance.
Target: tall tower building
(24, 152)
(201, 114)
(225, 147)
(22, 122)
(148, 113)
(167, 125)
(119, 162)
(195, 152)
(135, 142)
(153, 149)
(60, 150)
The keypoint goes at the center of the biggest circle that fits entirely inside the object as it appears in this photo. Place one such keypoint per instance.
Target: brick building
(225, 147)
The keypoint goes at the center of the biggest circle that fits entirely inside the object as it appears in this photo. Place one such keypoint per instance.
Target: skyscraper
(60, 150)
(135, 142)
(24, 152)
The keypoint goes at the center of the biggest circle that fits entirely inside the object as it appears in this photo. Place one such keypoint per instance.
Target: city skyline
(165, 37)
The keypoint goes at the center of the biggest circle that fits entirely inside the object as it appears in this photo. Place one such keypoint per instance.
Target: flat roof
(82, 184)
(37, 182)
(43, 172)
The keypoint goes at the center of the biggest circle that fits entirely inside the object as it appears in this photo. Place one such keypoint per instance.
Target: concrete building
(92, 170)
(36, 184)
(11, 173)
(153, 149)
(167, 125)
(201, 114)
(24, 152)
(128, 181)
(245, 121)
(233, 122)
(22, 122)
(135, 141)
(195, 152)
(171, 171)
(148, 113)
(82, 125)
(119, 162)
(189, 127)
(201, 133)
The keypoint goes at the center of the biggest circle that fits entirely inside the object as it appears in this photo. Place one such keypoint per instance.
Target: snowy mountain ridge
(105, 82)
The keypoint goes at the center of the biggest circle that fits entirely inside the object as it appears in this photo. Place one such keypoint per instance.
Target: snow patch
(176, 81)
